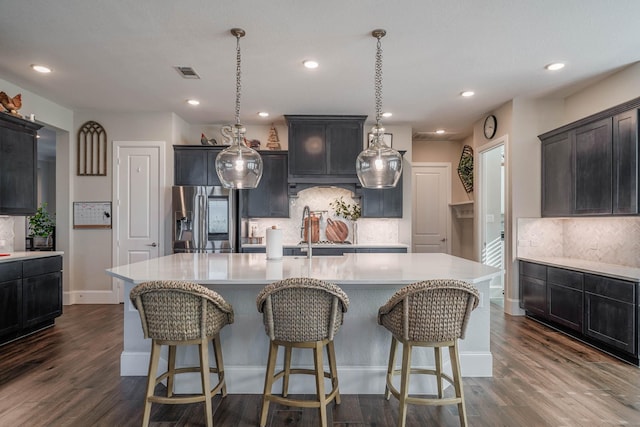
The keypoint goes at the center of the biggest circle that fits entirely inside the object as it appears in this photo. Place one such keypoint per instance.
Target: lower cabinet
(600, 310)
(564, 297)
(534, 287)
(30, 295)
(610, 312)
(324, 251)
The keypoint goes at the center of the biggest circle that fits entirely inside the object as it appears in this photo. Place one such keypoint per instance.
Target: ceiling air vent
(432, 136)
(187, 73)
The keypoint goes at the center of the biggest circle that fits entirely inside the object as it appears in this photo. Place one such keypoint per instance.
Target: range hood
(323, 151)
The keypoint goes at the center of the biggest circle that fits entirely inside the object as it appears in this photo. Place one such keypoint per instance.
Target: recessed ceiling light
(310, 64)
(41, 68)
(387, 114)
(193, 102)
(440, 131)
(555, 66)
(467, 93)
(263, 114)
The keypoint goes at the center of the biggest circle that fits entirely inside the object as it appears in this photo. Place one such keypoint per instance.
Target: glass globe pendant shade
(379, 166)
(238, 166)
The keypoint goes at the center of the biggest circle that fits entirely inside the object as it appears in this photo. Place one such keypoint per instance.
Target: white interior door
(431, 223)
(139, 184)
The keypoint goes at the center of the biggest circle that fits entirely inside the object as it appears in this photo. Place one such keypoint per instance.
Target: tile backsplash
(370, 230)
(6, 234)
(609, 240)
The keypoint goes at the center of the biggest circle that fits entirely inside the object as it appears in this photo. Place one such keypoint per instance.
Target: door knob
(443, 239)
(153, 244)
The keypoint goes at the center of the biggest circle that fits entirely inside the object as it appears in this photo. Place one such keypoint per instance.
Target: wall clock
(490, 126)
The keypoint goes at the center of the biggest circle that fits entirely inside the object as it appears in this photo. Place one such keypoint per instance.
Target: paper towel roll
(274, 243)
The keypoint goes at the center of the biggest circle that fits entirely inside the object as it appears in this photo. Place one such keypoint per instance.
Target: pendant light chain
(238, 74)
(378, 80)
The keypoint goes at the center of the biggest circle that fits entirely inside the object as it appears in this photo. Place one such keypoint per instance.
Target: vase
(42, 242)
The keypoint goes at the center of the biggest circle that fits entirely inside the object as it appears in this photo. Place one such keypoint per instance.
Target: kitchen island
(362, 346)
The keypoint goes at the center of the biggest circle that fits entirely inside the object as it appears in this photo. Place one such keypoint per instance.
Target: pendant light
(378, 166)
(239, 166)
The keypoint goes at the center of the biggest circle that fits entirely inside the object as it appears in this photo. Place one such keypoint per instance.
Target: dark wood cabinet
(30, 295)
(625, 163)
(10, 298)
(385, 203)
(195, 165)
(590, 167)
(557, 165)
(610, 312)
(325, 251)
(593, 170)
(564, 297)
(533, 285)
(323, 149)
(18, 166)
(599, 310)
(270, 199)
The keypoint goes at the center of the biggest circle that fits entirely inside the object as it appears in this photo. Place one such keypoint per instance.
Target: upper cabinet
(590, 167)
(195, 165)
(18, 166)
(323, 149)
(270, 199)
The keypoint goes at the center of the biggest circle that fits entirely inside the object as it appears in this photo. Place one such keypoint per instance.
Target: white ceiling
(120, 55)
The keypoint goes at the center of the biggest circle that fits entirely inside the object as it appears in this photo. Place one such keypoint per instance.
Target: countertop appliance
(204, 219)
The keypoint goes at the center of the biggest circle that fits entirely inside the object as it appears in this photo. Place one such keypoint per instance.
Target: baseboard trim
(90, 297)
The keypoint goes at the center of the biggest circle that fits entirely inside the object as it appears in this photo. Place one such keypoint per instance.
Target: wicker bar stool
(434, 314)
(301, 313)
(177, 313)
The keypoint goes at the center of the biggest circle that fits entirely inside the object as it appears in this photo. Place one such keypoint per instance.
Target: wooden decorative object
(274, 141)
(92, 150)
(465, 168)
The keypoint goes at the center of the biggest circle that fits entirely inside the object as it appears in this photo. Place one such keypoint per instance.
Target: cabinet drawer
(10, 271)
(533, 270)
(611, 288)
(559, 276)
(36, 267)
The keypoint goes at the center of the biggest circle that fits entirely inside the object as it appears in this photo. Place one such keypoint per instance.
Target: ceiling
(120, 55)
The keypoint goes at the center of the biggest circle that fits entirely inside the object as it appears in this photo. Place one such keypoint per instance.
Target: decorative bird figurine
(205, 141)
(12, 105)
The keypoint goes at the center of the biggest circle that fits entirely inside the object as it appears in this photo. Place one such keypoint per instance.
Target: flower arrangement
(348, 211)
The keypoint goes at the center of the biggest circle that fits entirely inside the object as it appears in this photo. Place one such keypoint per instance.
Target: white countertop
(352, 268)
(610, 270)
(16, 256)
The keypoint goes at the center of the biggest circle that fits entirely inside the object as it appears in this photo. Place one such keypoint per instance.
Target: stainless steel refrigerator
(204, 219)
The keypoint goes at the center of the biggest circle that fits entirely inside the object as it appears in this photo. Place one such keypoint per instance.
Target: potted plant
(41, 227)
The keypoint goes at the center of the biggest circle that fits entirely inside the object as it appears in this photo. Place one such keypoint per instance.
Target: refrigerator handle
(202, 224)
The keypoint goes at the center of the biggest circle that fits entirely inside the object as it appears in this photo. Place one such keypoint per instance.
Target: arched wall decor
(465, 168)
(92, 150)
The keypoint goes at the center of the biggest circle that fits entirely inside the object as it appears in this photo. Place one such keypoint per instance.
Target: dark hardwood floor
(69, 376)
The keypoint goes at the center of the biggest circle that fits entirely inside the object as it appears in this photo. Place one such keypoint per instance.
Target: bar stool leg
(457, 380)
(268, 382)
(217, 352)
(392, 364)
(287, 371)
(333, 370)
(171, 369)
(404, 383)
(151, 381)
(317, 357)
(206, 380)
(438, 356)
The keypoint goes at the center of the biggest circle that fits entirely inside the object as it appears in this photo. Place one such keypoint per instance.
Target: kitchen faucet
(306, 213)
